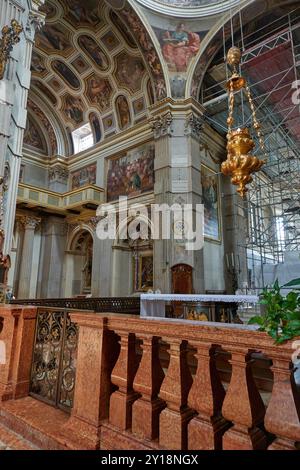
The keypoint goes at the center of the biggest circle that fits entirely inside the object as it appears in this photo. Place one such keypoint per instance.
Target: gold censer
(240, 164)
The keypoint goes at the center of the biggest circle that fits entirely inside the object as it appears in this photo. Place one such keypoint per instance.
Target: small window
(83, 138)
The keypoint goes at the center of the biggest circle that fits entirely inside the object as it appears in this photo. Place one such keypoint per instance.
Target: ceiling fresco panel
(99, 91)
(110, 41)
(80, 64)
(73, 108)
(129, 72)
(54, 38)
(94, 51)
(66, 74)
(83, 13)
(123, 112)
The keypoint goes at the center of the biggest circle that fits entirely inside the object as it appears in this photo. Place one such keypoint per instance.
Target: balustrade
(132, 394)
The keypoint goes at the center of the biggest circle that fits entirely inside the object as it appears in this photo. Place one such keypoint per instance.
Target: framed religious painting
(211, 201)
(143, 272)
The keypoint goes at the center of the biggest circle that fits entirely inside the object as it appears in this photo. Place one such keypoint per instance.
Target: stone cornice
(184, 106)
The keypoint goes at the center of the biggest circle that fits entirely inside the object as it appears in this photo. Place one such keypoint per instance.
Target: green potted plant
(281, 317)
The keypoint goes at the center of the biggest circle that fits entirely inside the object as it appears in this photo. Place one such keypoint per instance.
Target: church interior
(128, 130)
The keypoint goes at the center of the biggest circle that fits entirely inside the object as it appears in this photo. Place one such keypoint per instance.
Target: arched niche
(79, 264)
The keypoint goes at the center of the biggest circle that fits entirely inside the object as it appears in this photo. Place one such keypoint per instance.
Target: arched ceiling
(88, 66)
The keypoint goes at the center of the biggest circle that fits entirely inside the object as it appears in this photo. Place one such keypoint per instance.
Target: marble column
(54, 237)
(29, 224)
(177, 129)
(13, 98)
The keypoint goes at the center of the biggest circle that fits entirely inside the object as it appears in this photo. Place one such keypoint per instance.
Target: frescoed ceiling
(84, 59)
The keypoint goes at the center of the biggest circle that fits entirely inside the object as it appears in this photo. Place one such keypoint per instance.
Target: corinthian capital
(193, 126)
(162, 125)
(29, 223)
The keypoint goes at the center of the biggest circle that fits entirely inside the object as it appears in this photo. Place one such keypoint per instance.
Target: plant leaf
(257, 320)
(293, 282)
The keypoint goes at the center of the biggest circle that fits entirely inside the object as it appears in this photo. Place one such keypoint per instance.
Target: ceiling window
(83, 138)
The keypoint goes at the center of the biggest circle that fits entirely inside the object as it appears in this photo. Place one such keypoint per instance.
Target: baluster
(243, 406)
(174, 390)
(206, 396)
(96, 354)
(120, 409)
(283, 412)
(149, 377)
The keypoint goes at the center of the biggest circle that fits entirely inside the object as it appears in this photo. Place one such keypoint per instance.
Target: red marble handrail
(124, 400)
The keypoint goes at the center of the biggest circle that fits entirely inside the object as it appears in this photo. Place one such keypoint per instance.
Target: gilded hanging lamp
(240, 164)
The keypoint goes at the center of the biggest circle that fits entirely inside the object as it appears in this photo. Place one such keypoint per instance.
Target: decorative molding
(162, 125)
(93, 222)
(36, 20)
(193, 126)
(10, 37)
(58, 173)
(29, 222)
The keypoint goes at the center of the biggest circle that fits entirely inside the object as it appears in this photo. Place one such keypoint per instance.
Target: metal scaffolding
(271, 64)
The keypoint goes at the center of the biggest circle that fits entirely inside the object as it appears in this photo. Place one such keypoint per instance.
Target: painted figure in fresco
(99, 91)
(131, 175)
(210, 202)
(52, 37)
(179, 47)
(94, 121)
(74, 108)
(93, 50)
(147, 272)
(123, 112)
(86, 11)
(66, 73)
(87, 269)
(32, 137)
(130, 71)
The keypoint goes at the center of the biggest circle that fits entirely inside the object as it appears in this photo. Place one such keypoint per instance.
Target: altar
(206, 307)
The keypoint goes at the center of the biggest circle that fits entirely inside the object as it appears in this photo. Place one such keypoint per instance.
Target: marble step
(34, 422)
(9, 440)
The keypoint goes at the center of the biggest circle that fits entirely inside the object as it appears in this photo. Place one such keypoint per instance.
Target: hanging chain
(230, 119)
(256, 124)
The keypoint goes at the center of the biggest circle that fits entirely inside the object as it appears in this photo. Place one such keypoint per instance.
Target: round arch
(214, 40)
(75, 234)
(78, 265)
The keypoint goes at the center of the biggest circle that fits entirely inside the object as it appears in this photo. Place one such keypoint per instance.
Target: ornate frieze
(162, 125)
(193, 126)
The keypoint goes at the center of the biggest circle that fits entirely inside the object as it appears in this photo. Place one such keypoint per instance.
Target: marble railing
(165, 384)
(145, 402)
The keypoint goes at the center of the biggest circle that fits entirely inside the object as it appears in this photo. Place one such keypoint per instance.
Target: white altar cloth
(153, 305)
